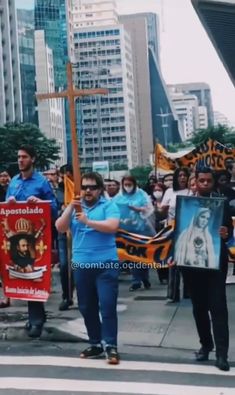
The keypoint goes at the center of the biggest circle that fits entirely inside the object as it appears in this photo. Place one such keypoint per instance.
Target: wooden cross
(71, 93)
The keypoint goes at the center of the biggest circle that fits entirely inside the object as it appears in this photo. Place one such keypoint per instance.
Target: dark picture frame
(197, 243)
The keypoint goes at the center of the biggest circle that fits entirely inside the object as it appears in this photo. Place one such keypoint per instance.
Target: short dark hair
(116, 182)
(29, 149)
(204, 170)
(94, 176)
(66, 168)
(167, 175)
(223, 172)
(4, 169)
(112, 180)
(229, 165)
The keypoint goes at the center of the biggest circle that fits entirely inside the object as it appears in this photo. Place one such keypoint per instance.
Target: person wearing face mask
(135, 208)
(157, 193)
(180, 188)
(157, 196)
(160, 219)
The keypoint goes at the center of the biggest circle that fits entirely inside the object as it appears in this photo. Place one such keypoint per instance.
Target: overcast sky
(187, 54)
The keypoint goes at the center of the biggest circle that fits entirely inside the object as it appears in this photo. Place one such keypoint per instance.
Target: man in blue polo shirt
(95, 264)
(32, 187)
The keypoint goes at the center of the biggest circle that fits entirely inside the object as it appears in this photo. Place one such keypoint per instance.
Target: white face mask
(128, 189)
(157, 194)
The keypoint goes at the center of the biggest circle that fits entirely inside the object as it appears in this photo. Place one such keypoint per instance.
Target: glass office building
(107, 123)
(25, 19)
(50, 16)
(54, 17)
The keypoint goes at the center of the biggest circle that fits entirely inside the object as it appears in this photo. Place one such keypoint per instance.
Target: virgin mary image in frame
(197, 240)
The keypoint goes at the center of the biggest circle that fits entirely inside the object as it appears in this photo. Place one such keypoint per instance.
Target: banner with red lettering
(25, 254)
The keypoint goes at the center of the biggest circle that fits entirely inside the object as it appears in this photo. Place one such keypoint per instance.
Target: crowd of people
(85, 237)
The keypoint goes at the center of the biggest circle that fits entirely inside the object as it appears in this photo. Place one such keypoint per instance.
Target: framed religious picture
(197, 240)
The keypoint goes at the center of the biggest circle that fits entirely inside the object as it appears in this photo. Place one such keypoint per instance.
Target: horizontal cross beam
(74, 93)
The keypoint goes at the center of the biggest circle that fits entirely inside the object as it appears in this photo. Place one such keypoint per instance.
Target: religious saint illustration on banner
(25, 239)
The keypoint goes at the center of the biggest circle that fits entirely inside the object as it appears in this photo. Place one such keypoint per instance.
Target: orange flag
(161, 159)
(68, 190)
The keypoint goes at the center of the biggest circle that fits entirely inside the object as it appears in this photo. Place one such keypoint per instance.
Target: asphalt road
(40, 368)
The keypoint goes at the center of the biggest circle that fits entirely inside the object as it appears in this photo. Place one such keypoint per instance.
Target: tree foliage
(14, 135)
(222, 133)
(141, 174)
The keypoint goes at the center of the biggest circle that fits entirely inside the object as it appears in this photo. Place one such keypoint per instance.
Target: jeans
(66, 277)
(97, 292)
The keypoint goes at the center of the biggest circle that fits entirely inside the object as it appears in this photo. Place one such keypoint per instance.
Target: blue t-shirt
(90, 245)
(36, 185)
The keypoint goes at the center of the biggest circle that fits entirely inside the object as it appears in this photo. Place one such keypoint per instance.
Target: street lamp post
(165, 125)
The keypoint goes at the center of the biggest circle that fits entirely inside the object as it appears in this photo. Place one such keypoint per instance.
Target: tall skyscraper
(153, 32)
(136, 25)
(50, 112)
(54, 17)
(25, 20)
(108, 129)
(10, 90)
(107, 126)
(94, 12)
(203, 93)
(187, 111)
(151, 93)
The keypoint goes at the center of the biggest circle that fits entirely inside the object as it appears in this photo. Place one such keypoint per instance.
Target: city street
(117, 145)
(157, 345)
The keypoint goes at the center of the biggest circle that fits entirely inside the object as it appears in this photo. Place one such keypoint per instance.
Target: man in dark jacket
(33, 187)
(207, 287)
(4, 181)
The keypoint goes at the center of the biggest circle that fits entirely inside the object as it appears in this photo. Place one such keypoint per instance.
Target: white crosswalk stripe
(124, 365)
(142, 378)
(111, 387)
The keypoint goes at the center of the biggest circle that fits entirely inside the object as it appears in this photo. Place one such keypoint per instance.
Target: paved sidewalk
(146, 320)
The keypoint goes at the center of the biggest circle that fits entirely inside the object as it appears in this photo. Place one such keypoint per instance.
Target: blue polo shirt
(90, 245)
(36, 185)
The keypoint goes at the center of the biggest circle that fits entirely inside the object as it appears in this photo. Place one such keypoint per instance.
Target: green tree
(222, 133)
(14, 135)
(141, 174)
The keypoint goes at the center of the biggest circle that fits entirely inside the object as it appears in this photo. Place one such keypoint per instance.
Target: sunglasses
(91, 187)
